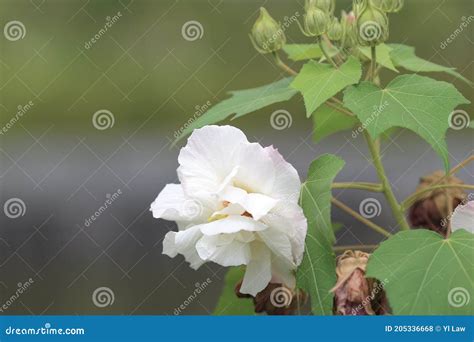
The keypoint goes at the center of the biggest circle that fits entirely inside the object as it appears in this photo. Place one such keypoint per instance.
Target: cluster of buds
(354, 294)
(267, 34)
(371, 23)
(432, 209)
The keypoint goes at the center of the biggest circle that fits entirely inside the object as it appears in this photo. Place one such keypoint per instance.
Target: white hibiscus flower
(463, 217)
(237, 204)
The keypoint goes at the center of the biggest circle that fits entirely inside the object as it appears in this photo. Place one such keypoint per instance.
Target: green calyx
(327, 6)
(388, 6)
(316, 22)
(267, 35)
(335, 31)
(371, 24)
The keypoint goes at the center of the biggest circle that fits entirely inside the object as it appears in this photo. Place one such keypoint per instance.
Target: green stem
(323, 50)
(374, 187)
(387, 188)
(352, 247)
(373, 63)
(359, 217)
(339, 108)
(283, 66)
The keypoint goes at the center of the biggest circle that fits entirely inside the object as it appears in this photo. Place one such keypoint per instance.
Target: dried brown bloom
(276, 299)
(431, 210)
(354, 294)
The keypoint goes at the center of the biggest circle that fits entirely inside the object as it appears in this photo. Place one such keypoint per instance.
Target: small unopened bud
(348, 29)
(335, 31)
(316, 22)
(431, 210)
(371, 24)
(389, 6)
(267, 35)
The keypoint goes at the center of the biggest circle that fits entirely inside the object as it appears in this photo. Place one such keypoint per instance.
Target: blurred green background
(152, 79)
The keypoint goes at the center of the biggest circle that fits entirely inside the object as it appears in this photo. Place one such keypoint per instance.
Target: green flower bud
(348, 29)
(335, 31)
(316, 22)
(371, 24)
(389, 6)
(267, 35)
(327, 6)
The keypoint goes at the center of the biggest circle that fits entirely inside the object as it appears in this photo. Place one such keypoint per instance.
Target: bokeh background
(151, 79)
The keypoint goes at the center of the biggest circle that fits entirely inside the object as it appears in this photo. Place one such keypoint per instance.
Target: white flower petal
(278, 243)
(169, 203)
(257, 205)
(258, 272)
(209, 158)
(256, 172)
(231, 224)
(287, 183)
(288, 218)
(283, 272)
(463, 217)
(224, 250)
(183, 242)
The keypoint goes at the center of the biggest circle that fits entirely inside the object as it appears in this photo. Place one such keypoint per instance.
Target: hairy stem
(360, 218)
(397, 209)
(374, 187)
(373, 62)
(330, 60)
(339, 108)
(413, 197)
(283, 66)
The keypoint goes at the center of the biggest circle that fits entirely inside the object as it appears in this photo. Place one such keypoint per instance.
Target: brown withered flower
(431, 210)
(354, 294)
(276, 299)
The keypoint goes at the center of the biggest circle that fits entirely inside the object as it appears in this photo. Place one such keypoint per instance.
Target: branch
(359, 217)
(283, 66)
(413, 197)
(374, 187)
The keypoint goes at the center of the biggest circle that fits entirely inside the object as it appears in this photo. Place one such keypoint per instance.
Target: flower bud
(431, 210)
(354, 294)
(335, 31)
(316, 22)
(371, 24)
(348, 29)
(267, 35)
(326, 6)
(389, 6)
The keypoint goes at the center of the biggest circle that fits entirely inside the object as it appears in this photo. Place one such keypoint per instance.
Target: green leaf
(300, 52)
(317, 272)
(327, 121)
(425, 274)
(319, 82)
(405, 57)
(383, 56)
(229, 304)
(243, 102)
(417, 103)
